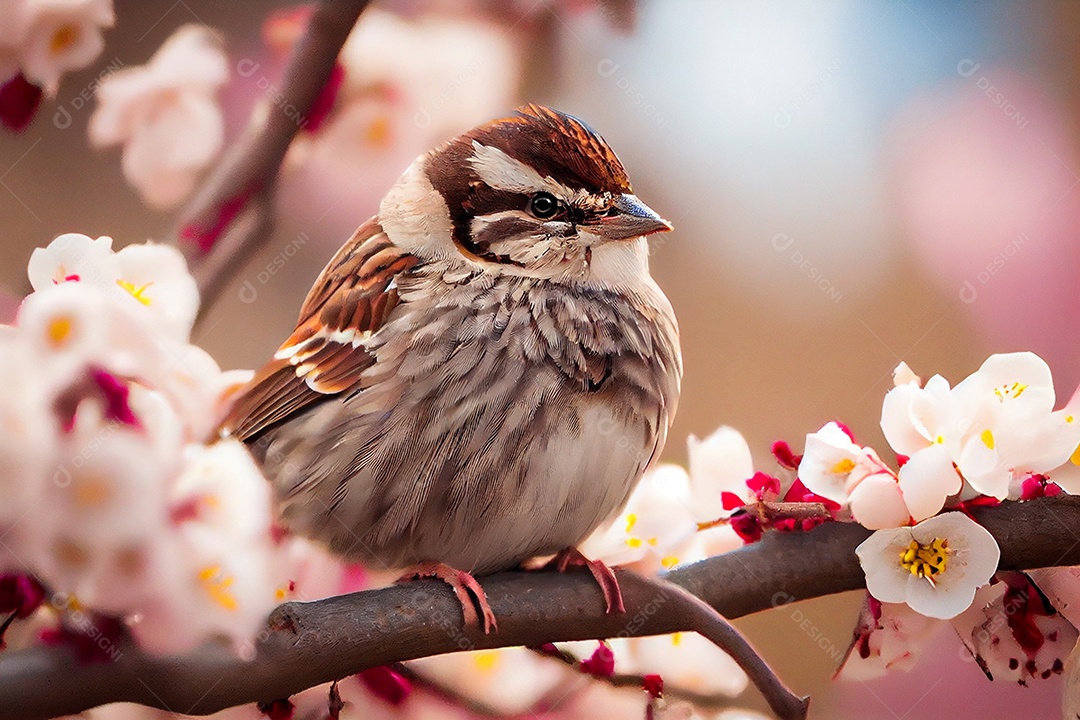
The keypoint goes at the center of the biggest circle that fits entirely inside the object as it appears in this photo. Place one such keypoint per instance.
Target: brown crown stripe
(555, 145)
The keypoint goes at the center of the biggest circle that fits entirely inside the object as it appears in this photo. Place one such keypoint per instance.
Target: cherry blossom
(46, 38)
(73, 257)
(111, 496)
(840, 470)
(218, 581)
(152, 275)
(656, 519)
(1014, 633)
(156, 276)
(997, 427)
(408, 84)
(510, 680)
(833, 465)
(888, 637)
(98, 540)
(934, 566)
(664, 513)
(166, 115)
(720, 463)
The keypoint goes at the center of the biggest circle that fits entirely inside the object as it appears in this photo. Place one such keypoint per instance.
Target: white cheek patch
(502, 172)
(415, 217)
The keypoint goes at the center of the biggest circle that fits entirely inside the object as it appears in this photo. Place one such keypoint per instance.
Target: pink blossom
(166, 115)
(50, 37)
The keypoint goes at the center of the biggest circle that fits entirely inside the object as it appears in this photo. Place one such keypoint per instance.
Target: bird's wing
(326, 353)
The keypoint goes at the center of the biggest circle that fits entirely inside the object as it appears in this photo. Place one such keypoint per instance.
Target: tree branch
(242, 183)
(306, 644)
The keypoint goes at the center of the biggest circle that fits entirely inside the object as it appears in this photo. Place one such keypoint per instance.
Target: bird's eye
(543, 206)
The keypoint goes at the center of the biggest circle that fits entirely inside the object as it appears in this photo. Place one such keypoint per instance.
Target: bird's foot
(465, 587)
(604, 576)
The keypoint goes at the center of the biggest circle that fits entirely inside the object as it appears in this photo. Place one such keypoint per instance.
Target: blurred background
(852, 184)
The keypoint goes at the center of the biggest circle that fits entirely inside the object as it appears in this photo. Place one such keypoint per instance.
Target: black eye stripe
(503, 228)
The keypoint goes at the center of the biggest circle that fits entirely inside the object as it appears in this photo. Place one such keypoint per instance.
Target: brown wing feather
(325, 354)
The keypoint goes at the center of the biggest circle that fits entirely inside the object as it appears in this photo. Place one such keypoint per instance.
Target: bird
(482, 374)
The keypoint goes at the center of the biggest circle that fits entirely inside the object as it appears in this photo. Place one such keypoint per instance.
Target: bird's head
(538, 193)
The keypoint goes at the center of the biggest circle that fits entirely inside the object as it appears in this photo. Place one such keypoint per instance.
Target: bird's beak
(633, 219)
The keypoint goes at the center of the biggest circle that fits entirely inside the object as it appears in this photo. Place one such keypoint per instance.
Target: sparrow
(483, 372)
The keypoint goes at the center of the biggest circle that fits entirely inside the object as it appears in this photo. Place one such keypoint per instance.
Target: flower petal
(927, 479)
(720, 463)
(885, 579)
(877, 503)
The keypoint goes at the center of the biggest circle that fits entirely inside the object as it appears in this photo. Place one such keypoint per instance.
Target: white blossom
(656, 519)
(888, 637)
(220, 581)
(720, 463)
(997, 426)
(934, 566)
(842, 471)
(166, 115)
(509, 680)
(662, 517)
(987, 631)
(111, 496)
(51, 37)
(149, 274)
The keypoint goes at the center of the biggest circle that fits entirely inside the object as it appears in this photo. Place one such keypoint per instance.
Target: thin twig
(793, 510)
(706, 701)
(307, 644)
(249, 170)
(707, 622)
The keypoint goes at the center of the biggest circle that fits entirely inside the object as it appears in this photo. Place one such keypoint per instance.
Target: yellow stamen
(1069, 418)
(379, 132)
(64, 37)
(631, 521)
(926, 561)
(633, 542)
(486, 660)
(58, 330)
(92, 492)
(217, 587)
(844, 466)
(676, 638)
(131, 561)
(1075, 457)
(987, 438)
(136, 292)
(669, 562)
(652, 542)
(940, 439)
(1014, 391)
(70, 553)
